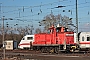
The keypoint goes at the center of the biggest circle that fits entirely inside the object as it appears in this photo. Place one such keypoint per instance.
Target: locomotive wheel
(56, 50)
(42, 50)
(48, 50)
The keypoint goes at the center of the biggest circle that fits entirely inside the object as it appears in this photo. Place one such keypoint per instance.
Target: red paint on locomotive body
(54, 37)
(67, 37)
(45, 38)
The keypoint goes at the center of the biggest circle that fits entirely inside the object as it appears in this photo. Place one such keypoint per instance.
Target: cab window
(83, 38)
(29, 38)
(88, 38)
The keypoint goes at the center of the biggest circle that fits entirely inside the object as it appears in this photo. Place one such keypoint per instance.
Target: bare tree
(54, 20)
(38, 30)
(12, 33)
(24, 31)
(65, 21)
(6, 31)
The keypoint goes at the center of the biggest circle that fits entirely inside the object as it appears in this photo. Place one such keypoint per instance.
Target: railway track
(37, 53)
(27, 54)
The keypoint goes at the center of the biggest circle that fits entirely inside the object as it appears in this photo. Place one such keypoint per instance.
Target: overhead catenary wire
(54, 11)
(30, 7)
(23, 9)
(67, 6)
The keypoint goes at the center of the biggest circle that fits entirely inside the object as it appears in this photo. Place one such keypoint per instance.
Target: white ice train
(25, 42)
(83, 38)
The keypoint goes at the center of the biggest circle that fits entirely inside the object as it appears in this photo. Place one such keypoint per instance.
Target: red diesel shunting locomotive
(59, 39)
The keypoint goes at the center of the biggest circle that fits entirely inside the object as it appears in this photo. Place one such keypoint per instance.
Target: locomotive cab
(59, 39)
(65, 38)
